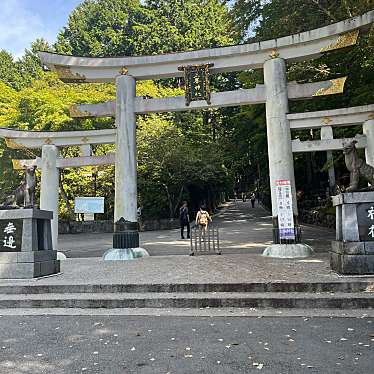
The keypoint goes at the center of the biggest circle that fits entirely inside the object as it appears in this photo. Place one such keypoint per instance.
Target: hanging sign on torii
(196, 80)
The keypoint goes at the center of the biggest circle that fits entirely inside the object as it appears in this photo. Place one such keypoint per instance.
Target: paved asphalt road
(181, 345)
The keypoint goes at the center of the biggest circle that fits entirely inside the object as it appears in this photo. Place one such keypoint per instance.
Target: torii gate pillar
(126, 234)
(327, 133)
(49, 187)
(125, 165)
(368, 130)
(280, 150)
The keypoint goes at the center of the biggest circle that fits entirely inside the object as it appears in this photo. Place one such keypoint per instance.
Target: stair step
(357, 286)
(190, 300)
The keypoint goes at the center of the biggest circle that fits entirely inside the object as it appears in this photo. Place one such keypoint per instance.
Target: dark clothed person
(184, 220)
(253, 199)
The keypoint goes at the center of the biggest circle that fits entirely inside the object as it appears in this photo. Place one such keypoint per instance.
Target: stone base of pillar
(125, 242)
(297, 250)
(61, 256)
(352, 257)
(124, 254)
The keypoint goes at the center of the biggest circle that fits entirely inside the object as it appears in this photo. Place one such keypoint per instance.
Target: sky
(23, 21)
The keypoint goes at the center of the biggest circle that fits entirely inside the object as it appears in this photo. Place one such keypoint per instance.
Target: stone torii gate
(326, 120)
(272, 56)
(50, 163)
(50, 142)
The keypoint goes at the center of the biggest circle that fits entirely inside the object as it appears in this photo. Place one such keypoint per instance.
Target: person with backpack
(184, 219)
(203, 218)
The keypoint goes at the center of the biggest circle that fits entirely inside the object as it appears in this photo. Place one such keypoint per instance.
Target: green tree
(276, 18)
(100, 28)
(118, 27)
(44, 105)
(9, 72)
(20, 73)
(172, 167)
(29, 65)
(246, 14)
(174, 26)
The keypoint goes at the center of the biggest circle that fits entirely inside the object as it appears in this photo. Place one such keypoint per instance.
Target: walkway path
(242, 230)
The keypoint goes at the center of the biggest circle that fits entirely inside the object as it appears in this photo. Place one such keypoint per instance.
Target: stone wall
(316, 209)
(317, 217)
(160, 224)
(77, 227)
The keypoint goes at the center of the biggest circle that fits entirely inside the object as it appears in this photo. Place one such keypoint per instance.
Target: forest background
(193, 156)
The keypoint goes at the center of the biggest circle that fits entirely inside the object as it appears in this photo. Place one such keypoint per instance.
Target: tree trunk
(171, 212)
(309, 169)
(66, 198)
(178, 200)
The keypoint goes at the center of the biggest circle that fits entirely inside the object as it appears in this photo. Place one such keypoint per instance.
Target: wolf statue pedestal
(353, 250)
(26, 244)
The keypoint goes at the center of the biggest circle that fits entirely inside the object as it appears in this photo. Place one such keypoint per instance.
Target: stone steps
(342, 286)
(344, 294)
(340, 300)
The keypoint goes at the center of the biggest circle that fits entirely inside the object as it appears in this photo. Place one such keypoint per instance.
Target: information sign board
(89, 205)
(285, 211)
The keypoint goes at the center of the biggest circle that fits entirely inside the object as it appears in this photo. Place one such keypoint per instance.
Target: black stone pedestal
(26, 244)
(126, 234)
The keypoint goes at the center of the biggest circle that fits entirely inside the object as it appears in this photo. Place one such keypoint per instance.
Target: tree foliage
(265, 20)
(268, 19)
(126, 27)
(188, 155)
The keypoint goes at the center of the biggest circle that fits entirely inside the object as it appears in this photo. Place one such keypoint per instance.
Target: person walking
(184, 219)
(203, 218)
(253, 199)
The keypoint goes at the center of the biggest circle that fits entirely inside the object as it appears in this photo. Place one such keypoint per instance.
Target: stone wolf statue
(356, 166)
(23, 195)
